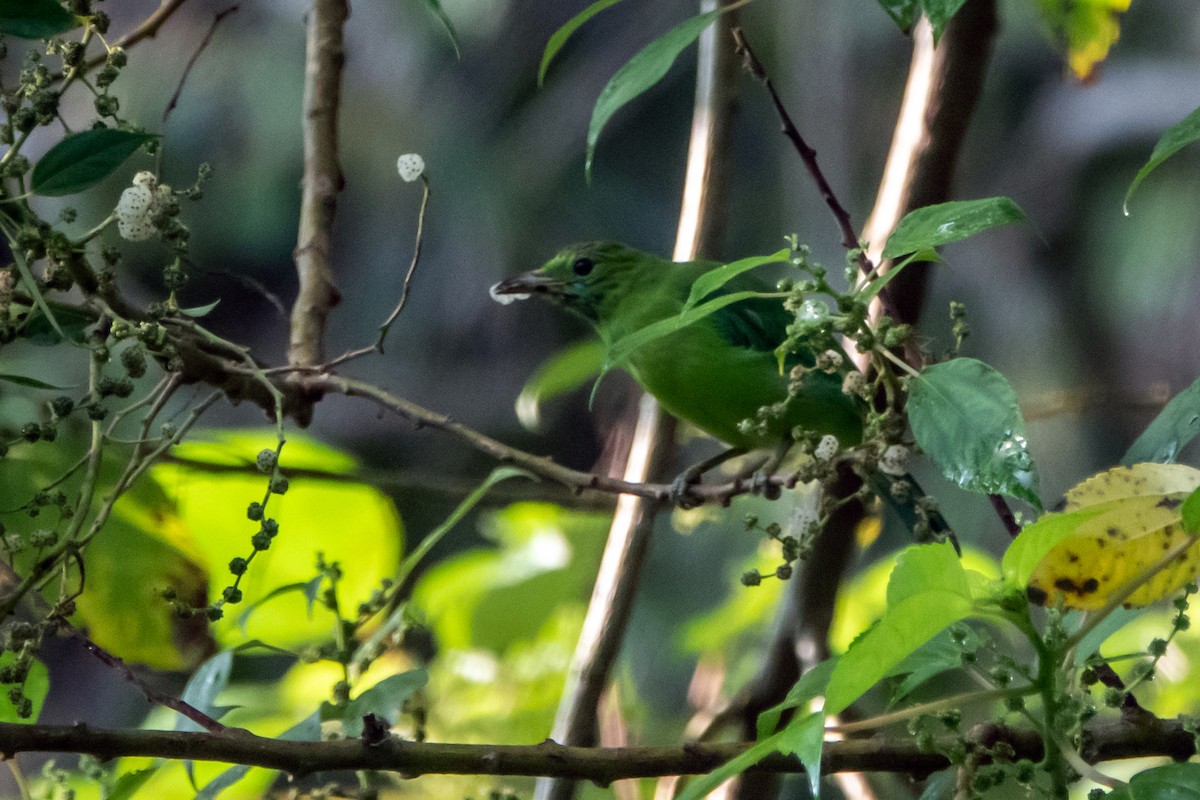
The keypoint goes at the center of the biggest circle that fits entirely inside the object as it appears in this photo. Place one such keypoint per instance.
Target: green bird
(714, 373)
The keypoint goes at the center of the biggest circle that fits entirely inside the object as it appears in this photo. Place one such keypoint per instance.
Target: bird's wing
(757, 323)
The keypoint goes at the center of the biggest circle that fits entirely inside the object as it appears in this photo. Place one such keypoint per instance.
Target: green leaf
(936, 225)
(1171, 142)
(811, 685)
(385, 699)
(560, 36)
(35, 19)
(903, 629)
(965, 416)
(84, 159)
(197, 312)
(1168, 782)
(877, 284)
(942, 653)
(435, 8)
(1171, 430)
(924, 568)
(32, 383)
(804, 737)
(67, 323)
(939, 13)
(307, 730)
(902, 12)
(563, 372)
(128, 784)
(37, 686)
(714, 279)
(1191, 513)
(702, 787)
(641, 72)
(1039, 538)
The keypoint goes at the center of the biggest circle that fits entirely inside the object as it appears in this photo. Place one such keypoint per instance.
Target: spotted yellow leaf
(1115, 527)
(1085, 29)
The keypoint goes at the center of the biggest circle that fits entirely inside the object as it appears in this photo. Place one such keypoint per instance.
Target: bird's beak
(522, 286)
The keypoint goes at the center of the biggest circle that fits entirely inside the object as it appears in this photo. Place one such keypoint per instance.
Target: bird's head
(589, 278)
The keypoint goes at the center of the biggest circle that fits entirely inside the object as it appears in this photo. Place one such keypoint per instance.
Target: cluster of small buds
(855, 384)
(827, 448)
(830, 361)
(894, 460)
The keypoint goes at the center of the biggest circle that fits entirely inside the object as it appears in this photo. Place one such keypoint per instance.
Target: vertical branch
(325, 54)
(654, 435)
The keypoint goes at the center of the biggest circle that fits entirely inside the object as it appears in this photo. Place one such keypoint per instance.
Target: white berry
(410, 166)
(894, 461)
(827, 448)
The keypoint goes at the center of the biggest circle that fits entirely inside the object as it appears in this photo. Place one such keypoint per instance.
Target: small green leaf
(936, 225)
(1175, 426)
(1191, 513)
(435, 8)
(902, 12)
(32, 383)
(877, 284)
(35, 19)
(68, 323)
(1039, 538)
(939, 13)
(208, 681)
(564, 372)
(810, 685)
(924, 568)
(965, 416)
(385, 699)
(804, 737)
(84, 159)
(641, 72)
(196, 312)
(942, 653)
(36, 687)
(1174, 139)
(560, 36)
(714, 279)
(702, 787)
(1168, 782)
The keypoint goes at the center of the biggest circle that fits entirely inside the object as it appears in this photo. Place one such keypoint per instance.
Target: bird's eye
(583, 267)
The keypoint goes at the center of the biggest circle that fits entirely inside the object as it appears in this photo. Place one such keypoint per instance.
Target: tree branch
(1104, 741)
(322, 181)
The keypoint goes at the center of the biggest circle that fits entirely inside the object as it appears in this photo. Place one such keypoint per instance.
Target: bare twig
(153, 695)
(325, 56)
(412, 266)
(187, 70)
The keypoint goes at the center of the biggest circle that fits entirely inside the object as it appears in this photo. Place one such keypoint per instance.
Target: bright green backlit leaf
(903, 629)
(641, 72)
(565, 371)
(127, 785)
(1191, 513)
(699, 788)
(351, 523)
(37, 686)
(936, 225)
(1171, 430)
(1086, 29)
(964, 415)
(809, 687)
(939, 13)
(925, 568)
(804, 737)
(83, 159)
(1174, 139)
(35, 19)
(560, 36)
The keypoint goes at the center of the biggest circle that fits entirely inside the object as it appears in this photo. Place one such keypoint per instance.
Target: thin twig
(187, 70)
(153, 695)
(412, 267)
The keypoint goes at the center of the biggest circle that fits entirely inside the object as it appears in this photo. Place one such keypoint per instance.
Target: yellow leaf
(1136, 524)
(1086, 29)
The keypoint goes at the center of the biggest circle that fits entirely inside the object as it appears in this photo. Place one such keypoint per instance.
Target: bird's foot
(761, 483)
(681, 494)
